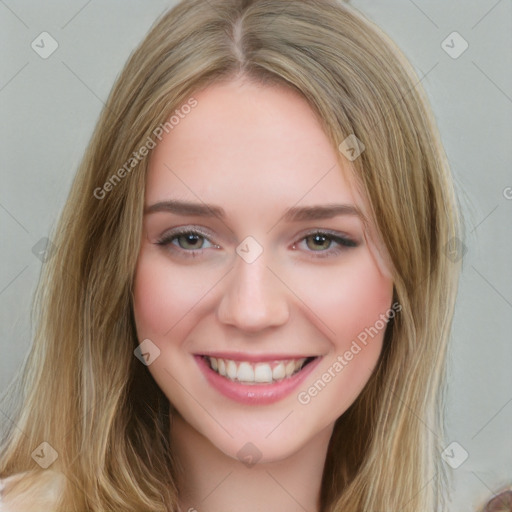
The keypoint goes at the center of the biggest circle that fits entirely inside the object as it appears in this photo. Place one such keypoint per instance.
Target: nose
(253, 299)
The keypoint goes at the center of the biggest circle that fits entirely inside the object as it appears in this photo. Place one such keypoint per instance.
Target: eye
(318, 242)
(188, 241)
(325, 243)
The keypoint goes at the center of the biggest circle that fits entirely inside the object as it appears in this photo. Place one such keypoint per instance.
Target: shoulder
(30, 491)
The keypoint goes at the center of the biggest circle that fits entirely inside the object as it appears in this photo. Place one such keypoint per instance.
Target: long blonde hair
(83, 391)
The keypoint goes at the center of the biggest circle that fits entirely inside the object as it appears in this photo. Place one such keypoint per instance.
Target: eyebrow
(293, 214)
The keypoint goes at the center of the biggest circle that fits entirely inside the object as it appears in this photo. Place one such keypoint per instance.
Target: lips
(241, 371)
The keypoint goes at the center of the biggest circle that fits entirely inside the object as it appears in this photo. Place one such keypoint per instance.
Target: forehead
(249, 145)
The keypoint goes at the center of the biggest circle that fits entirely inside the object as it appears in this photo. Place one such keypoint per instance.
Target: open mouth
(247, 372)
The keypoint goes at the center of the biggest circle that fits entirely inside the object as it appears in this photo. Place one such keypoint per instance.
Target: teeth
(278, 372)
(222, 367)
(245, 373)
(231, 369)
(263, 373)
(250, 373)
(289, 368)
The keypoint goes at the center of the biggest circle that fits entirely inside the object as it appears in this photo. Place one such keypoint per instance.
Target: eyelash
(343, 242)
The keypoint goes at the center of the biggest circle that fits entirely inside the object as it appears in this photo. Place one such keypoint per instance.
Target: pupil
(190, 240)
(320, 242)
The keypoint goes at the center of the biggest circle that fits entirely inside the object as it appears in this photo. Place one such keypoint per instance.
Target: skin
(255, 151)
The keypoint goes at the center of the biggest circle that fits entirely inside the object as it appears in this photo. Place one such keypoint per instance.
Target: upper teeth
(247, 372)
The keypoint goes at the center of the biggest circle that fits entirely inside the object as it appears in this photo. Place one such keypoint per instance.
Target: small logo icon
(454, 45)
(44, 45)
(249, 454)
(249, 250)
(351, 147)
(43, 249)
(455, 249)
(147, 352)
(45, 455)
(454, 455)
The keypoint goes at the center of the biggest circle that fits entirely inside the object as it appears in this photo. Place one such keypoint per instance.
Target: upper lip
(255, 358)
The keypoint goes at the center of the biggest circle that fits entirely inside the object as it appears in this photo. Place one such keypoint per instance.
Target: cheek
(347, 298)
(165, 297)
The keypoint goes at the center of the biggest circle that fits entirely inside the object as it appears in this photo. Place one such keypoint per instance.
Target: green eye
(318, 242)
(323, 244)
(189, 241)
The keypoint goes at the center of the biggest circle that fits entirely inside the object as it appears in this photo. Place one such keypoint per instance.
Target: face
(258, 278)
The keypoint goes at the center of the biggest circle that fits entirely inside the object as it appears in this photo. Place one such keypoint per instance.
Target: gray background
(48, 108)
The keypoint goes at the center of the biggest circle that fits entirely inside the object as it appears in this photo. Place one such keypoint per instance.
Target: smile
(255, 380)
(247, 372)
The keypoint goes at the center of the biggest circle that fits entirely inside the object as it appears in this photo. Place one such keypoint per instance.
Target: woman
(250, 299)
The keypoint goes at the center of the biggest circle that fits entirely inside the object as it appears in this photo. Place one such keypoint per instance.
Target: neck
(211, 481)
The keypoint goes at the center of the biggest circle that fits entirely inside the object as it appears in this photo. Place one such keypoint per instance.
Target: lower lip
(255, 394)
